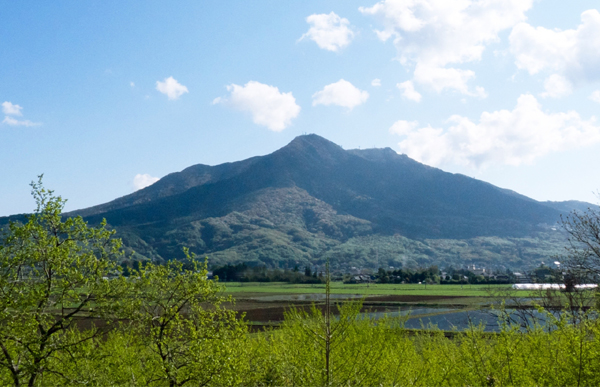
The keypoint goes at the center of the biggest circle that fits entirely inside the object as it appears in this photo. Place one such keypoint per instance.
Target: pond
(450, 319)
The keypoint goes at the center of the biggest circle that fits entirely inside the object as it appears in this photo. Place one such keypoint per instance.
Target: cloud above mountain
(512, 137)
(341, 93)
(571, 56)
(267, 105)
(432, 36)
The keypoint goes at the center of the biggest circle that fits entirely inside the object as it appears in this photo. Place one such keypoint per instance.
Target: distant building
(523, 278)
(479, 271)
(360, 279)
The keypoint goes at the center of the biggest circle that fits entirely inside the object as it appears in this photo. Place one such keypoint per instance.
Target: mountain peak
(312, 149)
(312, 140)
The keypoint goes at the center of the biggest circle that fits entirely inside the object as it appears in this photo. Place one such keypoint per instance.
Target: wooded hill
(312, 199)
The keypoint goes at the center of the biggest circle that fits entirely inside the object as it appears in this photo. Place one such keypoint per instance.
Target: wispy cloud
(11, 110)
(14, 122)
(408, 91)
(557, 86)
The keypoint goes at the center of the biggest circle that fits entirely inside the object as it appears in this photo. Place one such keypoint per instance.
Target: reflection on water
(458, 320)
(443, 318)
(448, 319)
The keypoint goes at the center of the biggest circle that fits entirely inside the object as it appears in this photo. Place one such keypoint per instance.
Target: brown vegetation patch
(277, 313)
(411, 298)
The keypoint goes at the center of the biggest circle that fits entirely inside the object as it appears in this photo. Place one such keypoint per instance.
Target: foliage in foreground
(53, 274)
(67, 318)
(383, 353)
(366, 353)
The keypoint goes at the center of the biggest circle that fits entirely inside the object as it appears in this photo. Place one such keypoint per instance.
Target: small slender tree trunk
(13, 370)
(327, 326)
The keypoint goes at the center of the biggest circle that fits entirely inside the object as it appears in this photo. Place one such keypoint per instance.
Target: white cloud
(402, 128)
(573, 54)
(268, 106)
(11, 109)
(440, 78)
(557, 86)
(376, 82)
(133, 84)
(341, 93)
(500, 137)
(171, 88)
(595, 96)
(408, 91)
(432, 34)
(14, 122)
(143, 180)
(329, 31)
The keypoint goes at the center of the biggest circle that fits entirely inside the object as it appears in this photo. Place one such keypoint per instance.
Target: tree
(579, 265)
(190, 338)
(54, 274)
(307, 271)
(582, 260)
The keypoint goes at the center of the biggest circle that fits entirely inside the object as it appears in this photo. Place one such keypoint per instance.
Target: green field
(370, 289)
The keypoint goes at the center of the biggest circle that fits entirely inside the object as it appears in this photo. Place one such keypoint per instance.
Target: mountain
(572, 205)
(312, 199)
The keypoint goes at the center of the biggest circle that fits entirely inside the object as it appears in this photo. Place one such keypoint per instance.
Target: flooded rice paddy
(447, 313)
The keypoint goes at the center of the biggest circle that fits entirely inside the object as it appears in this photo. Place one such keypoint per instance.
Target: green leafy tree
(188, 337)
(54, 274)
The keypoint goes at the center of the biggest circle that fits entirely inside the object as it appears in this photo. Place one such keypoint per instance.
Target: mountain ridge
(312, 199)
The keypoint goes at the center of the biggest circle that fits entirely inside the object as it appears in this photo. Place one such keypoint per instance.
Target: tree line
(243, 273)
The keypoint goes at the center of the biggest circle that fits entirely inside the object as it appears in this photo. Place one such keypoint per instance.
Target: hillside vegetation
(312, 200)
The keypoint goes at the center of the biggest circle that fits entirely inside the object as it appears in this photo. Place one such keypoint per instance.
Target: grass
(370, 289)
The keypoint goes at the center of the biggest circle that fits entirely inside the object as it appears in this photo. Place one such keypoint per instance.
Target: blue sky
(104, 97)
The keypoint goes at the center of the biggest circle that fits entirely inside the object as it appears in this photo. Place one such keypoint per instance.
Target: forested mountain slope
(312, 199)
